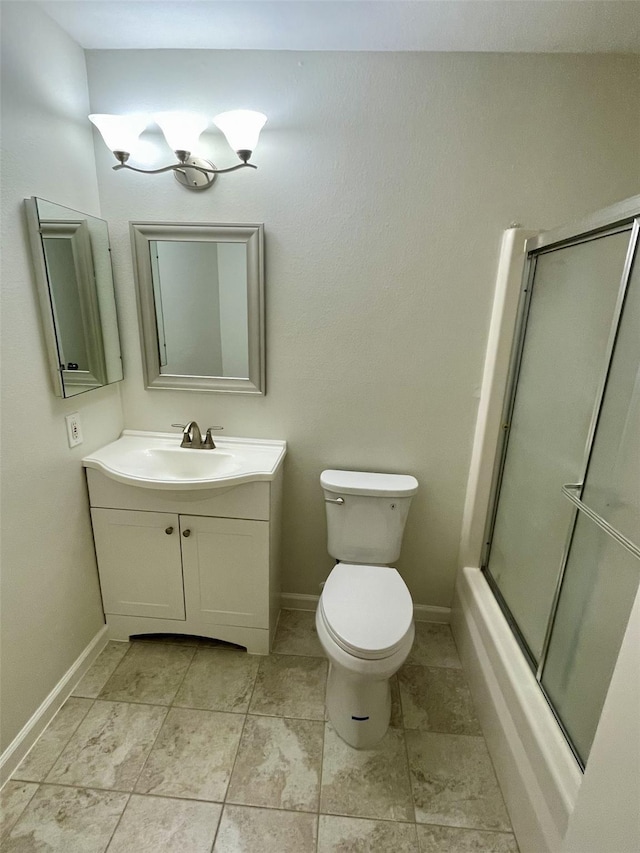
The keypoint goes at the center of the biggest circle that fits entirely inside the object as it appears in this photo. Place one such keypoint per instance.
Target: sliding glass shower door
(565, 582)
(603, 568)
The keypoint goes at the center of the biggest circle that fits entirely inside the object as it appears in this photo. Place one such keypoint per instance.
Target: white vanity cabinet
(140, 563)
(225, 565)
(193, 562)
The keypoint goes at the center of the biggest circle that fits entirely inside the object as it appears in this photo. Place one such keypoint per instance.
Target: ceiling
(523, 26)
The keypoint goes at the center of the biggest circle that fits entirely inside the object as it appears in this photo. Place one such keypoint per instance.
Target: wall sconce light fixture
(182, 132)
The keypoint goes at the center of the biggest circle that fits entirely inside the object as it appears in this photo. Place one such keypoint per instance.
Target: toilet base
(358, 708)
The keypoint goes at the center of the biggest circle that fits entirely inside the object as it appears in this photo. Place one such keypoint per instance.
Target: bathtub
(537, 771)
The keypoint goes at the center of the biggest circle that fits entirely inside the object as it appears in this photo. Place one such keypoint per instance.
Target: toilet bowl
(364, 622)
(364, 618)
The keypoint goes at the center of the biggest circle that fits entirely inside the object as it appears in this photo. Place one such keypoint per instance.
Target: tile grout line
(271, 716)
(171, 705)
(66, 744)
(324, 737)
(155, 740)
(406, 751)
(440, 732)
(130, 701)
(130, 793)
(108, 678)
(167, 709)
(4, 835)
(115, 828)
(484, 739)
(378, 819)
(253, 712)
(461, 734)
(185, 799)
(235, 758)
(468, 828)
(184, 677)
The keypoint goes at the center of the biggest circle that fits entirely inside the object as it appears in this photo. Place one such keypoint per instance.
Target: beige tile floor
(180, 745)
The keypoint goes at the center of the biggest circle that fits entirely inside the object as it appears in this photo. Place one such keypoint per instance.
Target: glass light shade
(120, 133)
(241, 128)
(181, 130)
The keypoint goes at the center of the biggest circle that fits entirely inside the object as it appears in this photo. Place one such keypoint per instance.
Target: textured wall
(384, 182)
(50, 597)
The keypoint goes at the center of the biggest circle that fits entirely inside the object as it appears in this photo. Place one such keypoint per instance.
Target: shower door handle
(569, 490)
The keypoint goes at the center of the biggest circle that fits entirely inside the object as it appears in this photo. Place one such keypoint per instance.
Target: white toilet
(365, 613)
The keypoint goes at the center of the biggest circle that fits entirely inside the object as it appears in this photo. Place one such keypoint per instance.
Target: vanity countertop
(155, 460)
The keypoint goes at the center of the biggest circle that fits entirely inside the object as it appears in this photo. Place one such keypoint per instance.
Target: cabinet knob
(186, 532)
(169, 531)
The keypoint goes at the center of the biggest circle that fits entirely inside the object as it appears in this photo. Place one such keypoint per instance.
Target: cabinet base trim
(255, 640)
(40, 719)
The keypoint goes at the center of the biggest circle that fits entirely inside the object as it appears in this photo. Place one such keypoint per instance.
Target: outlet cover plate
(74, 430)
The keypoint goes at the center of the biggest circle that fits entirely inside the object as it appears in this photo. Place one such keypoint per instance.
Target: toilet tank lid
(368, 483)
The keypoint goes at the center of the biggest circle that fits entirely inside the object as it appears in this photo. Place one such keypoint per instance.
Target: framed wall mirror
(200, 294)
(72, 263)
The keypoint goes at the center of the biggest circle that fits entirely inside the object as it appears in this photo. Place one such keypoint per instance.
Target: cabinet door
(226, 570)
(139, 562)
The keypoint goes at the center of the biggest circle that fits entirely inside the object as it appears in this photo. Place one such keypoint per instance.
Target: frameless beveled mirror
(201, 304)
(72, 264)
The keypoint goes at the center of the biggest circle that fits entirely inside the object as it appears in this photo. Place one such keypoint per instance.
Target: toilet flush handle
(334, 500)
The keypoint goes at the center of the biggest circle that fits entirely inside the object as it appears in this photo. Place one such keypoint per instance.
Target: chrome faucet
(192, 437)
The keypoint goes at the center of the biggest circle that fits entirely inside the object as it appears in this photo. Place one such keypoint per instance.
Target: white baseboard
(421, 612)
(298, 601)
(40, 719)
(538, 774)
(431, 613)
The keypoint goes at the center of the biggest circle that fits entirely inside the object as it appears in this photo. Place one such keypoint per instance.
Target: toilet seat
(367, 610)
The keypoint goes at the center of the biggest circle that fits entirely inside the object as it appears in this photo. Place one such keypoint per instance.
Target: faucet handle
(180, 426)
(208, 443)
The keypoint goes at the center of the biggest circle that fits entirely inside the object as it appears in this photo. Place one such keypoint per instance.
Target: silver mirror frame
(252, 235)
(77, 233)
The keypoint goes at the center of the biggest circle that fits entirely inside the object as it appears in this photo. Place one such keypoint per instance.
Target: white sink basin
(155, 460)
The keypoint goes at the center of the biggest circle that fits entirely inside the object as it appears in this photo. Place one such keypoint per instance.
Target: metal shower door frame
(624, 216)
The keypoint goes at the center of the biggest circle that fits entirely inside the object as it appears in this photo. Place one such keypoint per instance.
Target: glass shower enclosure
(561, 554)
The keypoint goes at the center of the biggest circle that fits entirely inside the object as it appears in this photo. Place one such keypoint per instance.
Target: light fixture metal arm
(179, 167)
(193, 173)
(171, 168)
(229, 169)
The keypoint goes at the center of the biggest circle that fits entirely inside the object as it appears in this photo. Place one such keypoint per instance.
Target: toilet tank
(366, 514)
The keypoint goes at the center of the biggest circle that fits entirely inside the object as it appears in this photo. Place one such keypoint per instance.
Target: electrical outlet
(74, 430)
